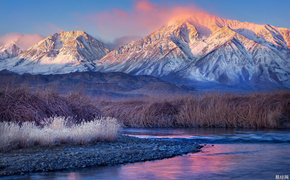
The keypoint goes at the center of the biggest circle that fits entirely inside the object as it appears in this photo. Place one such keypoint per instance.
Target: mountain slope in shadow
(113, 84)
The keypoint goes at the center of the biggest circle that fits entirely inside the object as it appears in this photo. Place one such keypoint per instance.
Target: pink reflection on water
(73, 176)
(211, 160)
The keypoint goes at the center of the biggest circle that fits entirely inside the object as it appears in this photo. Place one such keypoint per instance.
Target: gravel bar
(125, 149)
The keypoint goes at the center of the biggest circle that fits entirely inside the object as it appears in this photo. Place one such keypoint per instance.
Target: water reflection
(214, 136)
(214, 161)
(223, 161)
(178, 167)
(73, 176)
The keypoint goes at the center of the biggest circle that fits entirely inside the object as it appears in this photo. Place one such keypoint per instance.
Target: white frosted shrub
(13, 136)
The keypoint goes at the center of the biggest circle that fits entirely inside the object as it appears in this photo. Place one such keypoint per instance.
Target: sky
(117, 21)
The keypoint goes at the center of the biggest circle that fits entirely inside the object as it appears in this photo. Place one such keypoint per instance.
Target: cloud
(23, 41)
(144, 18)
(145, 6)
(122, 40)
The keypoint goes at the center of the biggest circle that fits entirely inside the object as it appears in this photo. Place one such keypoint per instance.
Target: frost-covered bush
(56, 131)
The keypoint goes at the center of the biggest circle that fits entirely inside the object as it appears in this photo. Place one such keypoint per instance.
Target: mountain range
(9, 50)
(205, 52)
(59, 53)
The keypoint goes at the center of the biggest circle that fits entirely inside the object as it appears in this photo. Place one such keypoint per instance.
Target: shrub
(56, 131)
(264, 110)
(23, 104)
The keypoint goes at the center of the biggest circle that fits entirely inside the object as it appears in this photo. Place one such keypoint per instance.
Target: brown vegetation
(256, 110)
(22, 104)
(211, 110)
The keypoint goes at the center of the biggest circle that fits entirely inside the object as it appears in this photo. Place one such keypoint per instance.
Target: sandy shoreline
(125, 150)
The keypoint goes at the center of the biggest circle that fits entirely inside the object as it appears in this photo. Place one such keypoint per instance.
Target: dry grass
(251, 111)
(138, 113)
(56, 131)
(264, 110)
(24, 104)
(256, 110)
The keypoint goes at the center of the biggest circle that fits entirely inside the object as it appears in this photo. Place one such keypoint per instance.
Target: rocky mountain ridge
(200, 51)
(59, 53)
(210, 50)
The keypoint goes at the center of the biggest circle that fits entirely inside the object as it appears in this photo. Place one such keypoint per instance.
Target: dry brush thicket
(255, 110)
(264, 110)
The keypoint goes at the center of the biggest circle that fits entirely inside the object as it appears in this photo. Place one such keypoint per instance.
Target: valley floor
(20, 105)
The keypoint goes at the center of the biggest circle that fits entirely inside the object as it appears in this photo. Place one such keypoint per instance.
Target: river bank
(124, 150)
(236, 154)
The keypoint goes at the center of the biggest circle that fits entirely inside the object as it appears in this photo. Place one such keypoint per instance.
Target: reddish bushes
(251, 111)
(22, 104)
(211, 110)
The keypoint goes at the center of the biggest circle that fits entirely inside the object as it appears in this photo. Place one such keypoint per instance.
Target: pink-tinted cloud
(145, 6)
(23, 41)
(144, 18)
(122, 40)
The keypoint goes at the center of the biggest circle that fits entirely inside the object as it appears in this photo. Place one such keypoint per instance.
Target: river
(227, 154)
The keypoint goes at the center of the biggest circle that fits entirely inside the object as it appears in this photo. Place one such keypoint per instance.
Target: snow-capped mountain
(9, 51)
(208, 49)
(58, 54)
(201, 50)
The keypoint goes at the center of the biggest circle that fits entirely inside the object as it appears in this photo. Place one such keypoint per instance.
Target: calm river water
(229, 154)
